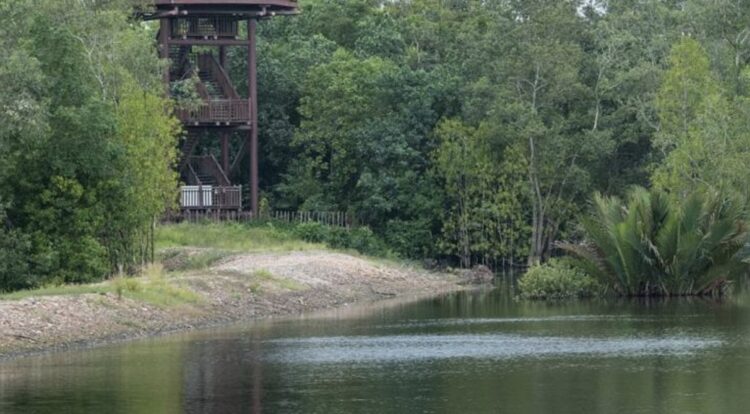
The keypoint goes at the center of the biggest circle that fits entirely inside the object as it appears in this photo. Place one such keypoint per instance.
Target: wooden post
(253, 94)
(153, 248)
(223, 57)
(225, 152)
(164, 33)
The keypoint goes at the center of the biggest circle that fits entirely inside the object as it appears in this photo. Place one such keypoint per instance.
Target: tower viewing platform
(245, 8)
(194, 35)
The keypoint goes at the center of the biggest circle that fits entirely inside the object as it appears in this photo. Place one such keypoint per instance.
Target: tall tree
(703, 135)
(540, 106)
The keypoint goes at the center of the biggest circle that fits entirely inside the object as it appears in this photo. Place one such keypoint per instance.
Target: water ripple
(424, 323)
(398, 348)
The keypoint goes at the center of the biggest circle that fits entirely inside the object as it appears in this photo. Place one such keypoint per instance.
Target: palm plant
(655, 245)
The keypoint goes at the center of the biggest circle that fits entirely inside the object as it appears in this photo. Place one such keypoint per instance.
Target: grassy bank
(153, 286)
(189, 247)
(209, 242)
(268, 237)
(208, 274)
(184, 248)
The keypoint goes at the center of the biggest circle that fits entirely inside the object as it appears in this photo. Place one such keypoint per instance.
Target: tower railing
(208, 197)
(217, 112)
(205, 27)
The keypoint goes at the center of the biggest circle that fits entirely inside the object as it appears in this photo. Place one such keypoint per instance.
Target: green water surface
(479, 352)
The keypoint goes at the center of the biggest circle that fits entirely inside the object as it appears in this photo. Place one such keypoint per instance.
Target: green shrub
(361, 239)
(312, 232)
(413, 239)
(556, 279)
(15, 249)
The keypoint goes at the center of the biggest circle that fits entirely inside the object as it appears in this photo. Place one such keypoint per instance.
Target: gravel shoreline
(239, 288)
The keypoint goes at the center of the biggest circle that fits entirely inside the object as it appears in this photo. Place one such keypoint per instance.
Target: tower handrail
(209, 165)
(217, 112)
(207, 62)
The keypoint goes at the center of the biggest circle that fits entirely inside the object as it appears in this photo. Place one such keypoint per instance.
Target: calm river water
(463, 353)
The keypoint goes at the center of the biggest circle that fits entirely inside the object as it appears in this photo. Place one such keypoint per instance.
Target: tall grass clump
(155, 288)
(654, 244)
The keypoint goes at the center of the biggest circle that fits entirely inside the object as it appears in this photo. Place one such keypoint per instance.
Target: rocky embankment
(237, 288)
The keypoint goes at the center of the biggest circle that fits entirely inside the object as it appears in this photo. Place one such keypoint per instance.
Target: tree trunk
(537, 234)
(537, 224)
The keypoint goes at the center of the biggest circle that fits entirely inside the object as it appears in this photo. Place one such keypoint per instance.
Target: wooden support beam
(223, 56)
(225, 152)
(164, 31)
(253, 93)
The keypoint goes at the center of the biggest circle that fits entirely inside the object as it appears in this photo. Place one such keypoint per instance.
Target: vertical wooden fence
(328, 218)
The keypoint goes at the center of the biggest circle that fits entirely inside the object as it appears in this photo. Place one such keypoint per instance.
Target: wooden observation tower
(195, 35)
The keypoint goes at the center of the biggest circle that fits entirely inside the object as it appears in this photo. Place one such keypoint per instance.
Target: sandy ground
(238, 288)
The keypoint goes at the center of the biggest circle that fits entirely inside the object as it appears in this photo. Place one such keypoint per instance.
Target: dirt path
(238, 288)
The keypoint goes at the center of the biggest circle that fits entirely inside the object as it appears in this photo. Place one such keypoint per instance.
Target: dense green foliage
(557, 279)
(477, 130)
(86, 142)
(468, 130)
(652, 244)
